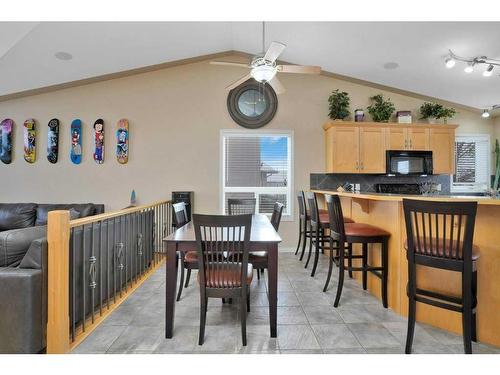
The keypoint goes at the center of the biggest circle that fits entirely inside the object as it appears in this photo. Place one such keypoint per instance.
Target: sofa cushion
(84, 210)
(17, 215)
(15, 243)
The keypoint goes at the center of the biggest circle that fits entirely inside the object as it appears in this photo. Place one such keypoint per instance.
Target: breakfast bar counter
(386, 212)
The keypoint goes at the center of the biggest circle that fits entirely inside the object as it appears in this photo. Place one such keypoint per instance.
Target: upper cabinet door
(372, 149)
(344, 149)
(442, 142)
(418, 139)
(397, 138)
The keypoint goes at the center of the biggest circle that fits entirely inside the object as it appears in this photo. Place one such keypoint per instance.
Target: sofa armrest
(22, 319)
(15, 243)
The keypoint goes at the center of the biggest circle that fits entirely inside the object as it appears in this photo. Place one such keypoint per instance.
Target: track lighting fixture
(485, 114)
(489, 71)
(487, 111)
(451, 60)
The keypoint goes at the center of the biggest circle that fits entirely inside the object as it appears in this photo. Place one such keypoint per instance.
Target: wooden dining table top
(262, 232)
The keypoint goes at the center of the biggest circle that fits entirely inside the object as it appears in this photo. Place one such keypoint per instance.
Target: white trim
(472, 187)
(288, 190)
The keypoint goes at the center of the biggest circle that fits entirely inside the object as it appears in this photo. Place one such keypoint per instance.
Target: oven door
(410, 163)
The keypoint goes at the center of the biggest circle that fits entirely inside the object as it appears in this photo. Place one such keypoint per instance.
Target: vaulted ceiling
(356, 49)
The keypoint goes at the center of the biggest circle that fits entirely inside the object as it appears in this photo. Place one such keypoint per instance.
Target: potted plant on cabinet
(435, 111)
(381, 110)
(338, 105)
(446, 113)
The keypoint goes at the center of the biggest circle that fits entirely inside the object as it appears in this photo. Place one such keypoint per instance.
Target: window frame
(287, 216)
(471, 187)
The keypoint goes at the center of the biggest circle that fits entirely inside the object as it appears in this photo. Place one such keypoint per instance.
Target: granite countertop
(482, 200)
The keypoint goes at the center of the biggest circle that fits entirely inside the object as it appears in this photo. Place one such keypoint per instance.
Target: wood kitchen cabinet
(408, 138)
(442, 142)
(360, 147)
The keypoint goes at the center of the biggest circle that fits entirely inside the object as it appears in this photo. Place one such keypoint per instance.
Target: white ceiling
(353, 49)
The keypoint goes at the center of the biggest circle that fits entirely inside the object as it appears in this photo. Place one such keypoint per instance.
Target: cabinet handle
(357, 165)
(361, 164)
(406, 144)
(411, 145)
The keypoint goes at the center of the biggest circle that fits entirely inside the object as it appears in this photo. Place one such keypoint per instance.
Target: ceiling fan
(263, 68)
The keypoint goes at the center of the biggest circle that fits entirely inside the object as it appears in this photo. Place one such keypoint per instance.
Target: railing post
(58, 282)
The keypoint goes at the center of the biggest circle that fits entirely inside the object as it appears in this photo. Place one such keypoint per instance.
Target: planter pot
(432, 120)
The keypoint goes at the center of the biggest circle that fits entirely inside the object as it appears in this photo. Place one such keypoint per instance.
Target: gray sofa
(23, 272)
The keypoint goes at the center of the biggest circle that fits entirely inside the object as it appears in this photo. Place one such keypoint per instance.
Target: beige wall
(175, 119)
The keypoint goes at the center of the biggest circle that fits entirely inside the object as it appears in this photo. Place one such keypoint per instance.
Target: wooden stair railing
(133, 249)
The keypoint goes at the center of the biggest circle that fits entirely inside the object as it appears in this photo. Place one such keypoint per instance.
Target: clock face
(252, 104)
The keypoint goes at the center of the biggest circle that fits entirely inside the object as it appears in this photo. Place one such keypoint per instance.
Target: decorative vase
(431, 120)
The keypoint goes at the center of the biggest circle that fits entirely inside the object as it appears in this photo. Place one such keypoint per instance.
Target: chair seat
(325, 219)
(228, 276)
(438, 249)
(191, 257)
(364, 230)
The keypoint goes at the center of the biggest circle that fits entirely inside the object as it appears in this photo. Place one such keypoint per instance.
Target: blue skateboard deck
(76, 141)
(122, 139)
(53, 141)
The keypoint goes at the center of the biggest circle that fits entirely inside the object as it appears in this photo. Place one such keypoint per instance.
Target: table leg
(272, 270)
(170, 288)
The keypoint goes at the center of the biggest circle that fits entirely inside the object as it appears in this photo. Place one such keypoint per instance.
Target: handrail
(110, 215)
(95, 262)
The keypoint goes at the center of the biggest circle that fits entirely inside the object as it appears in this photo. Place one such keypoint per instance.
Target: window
(472, 164)
(257, 165)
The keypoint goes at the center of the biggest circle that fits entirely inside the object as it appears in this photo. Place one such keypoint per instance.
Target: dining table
(263, 238)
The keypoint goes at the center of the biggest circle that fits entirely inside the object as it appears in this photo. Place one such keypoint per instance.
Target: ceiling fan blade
(276, 85)
(230, 63)
(275, 49)
(238, 82)
(301, 69)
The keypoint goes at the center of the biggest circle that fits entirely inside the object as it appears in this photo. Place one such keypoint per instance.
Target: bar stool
(351, 233)
(318, 222)
(440, 235)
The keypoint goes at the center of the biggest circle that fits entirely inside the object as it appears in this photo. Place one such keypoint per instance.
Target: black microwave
(410, 163)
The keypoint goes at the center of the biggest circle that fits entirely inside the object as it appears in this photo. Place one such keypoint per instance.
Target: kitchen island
(386, 211)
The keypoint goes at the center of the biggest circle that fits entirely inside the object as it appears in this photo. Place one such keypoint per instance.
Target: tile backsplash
(331, 181)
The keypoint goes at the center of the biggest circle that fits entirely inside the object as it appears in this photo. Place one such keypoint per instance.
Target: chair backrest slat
(449, 240)
(336, 217)
(241, 206)
(223, 244)
(276, 216)
(313, 208)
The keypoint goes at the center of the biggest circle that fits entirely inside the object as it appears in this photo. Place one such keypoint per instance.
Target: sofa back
(77, 210)
(17, 215)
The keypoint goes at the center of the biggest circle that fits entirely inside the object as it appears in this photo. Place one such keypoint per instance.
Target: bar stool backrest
(336, 217)
(241, 206)
(223, 244)
(276, 216)
(440, 234)
(302, 204)
(313, 208)
(180, 214)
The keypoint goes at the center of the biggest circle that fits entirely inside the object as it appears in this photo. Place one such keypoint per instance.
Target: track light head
(485, 114)
(469, 68)
(450, 62)
(489, 71)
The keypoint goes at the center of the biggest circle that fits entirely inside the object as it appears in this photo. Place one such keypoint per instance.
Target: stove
(413, 189)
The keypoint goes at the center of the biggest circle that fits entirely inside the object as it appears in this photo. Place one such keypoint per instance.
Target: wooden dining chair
(241, 206)
(189, 260)
(440, 235)
(259, 258)
(224, 271)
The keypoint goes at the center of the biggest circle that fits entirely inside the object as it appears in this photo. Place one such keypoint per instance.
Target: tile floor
(307, 321)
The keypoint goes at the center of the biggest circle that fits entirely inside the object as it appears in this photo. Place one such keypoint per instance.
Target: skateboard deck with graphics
(30, 140)
(122, 138)
(99, 141)
(76, 141)
(53, 141)
(6, 128)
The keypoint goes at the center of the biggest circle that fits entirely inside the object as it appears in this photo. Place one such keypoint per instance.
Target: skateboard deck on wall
(122, 138)
(6, 127)
(99, 141)
(76, 141)
(53, 141)
(30, 140)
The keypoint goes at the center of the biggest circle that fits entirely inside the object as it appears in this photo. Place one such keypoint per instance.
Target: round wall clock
(251, 104)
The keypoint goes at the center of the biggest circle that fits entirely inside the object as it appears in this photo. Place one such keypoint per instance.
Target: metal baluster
(108, 262)
(126, 234)
(92, 272)
(120, 254)
(114, 259)
(83, 278)
(73, 298)
(100, 268)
